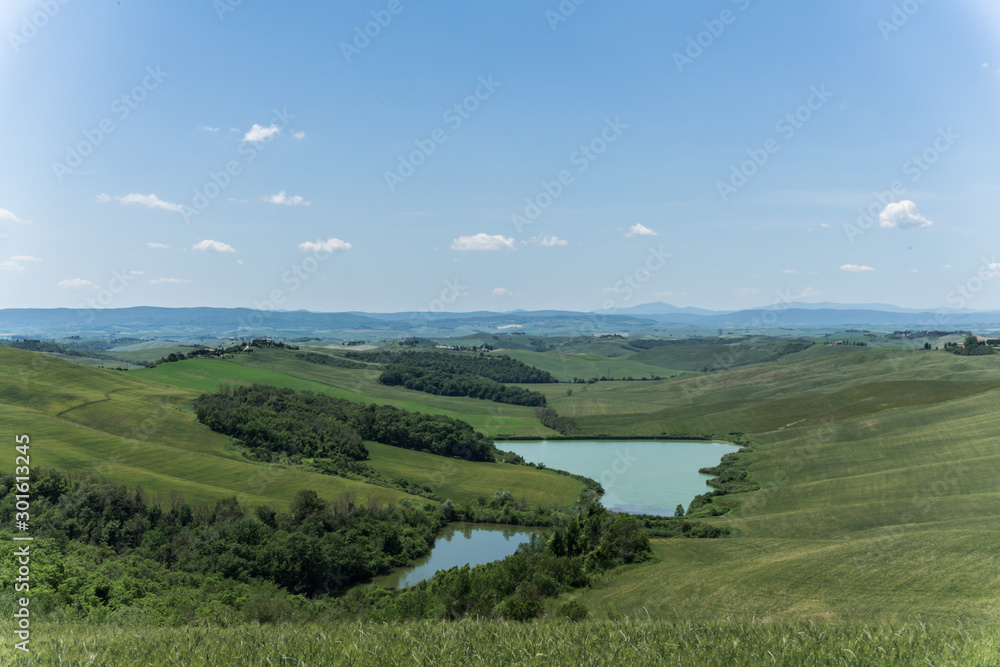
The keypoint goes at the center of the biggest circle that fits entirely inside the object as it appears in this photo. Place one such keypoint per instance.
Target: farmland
(874, 527)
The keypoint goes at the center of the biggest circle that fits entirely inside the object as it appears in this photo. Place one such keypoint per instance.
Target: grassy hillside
(714, 353)
(566, 366)
(837, 383)
(878, 470)
(138, 430)
(879, 498)
(81, 419)
(463, 481)
(283, 369)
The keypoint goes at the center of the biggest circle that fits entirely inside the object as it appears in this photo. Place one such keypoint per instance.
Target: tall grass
(621, 643)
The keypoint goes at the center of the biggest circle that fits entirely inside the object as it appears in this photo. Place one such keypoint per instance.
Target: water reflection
(460, 544)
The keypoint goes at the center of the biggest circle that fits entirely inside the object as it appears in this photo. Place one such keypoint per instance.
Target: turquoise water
(638, 476)
(460, 544)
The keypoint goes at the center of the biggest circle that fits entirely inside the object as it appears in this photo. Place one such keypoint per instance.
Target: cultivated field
(873, 540)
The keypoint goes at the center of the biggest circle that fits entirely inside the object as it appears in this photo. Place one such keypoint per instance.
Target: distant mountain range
(206, 323)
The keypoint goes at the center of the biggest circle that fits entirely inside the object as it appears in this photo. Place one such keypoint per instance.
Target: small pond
(457, 545)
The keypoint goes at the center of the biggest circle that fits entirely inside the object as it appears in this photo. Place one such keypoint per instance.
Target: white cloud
(11, 266)
(158, 246)
(501, 291)
(856, 268)
(330, 245)
(667, 294)
(789, 271)
(281, 198)
(483, 242)
(549, 241)
(137, 273)
(76, 283)
(24, 258)
(904, 215)
(213, 246)
(206, 128)
(299, 135)
(169, 281)
(640, 230)
(149, 201)
(261, 133)
(7, 216)
(946, 266)
(809, 291)
(747, 291)
(824, 225)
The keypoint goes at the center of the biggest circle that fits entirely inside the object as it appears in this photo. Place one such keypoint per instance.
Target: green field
(712, 354)
(137, 354)
(463, 481)
(566, 366)
(283, 369)
(137, 430)
(878, 467)
(879, 498)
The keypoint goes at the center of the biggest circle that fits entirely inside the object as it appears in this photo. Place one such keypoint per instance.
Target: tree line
(273, 422)
(441, 383)
(499, 368)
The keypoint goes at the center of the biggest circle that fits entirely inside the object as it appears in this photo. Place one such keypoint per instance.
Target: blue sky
(497, 155)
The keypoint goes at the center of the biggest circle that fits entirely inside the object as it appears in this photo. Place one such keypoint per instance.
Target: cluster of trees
(604, 378)
(551, 419)
(499, 368)
(973, 347)
(107, 553)
(676, 526)
(272, 420)
(442, 383)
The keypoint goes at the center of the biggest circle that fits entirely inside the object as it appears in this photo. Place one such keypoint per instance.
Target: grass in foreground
(623, 642)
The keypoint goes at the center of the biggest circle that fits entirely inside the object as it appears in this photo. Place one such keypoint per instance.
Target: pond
(638, 476)
(457, 545)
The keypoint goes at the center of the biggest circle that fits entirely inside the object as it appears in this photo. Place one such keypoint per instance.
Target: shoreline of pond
(399, 577)
(611, 500)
